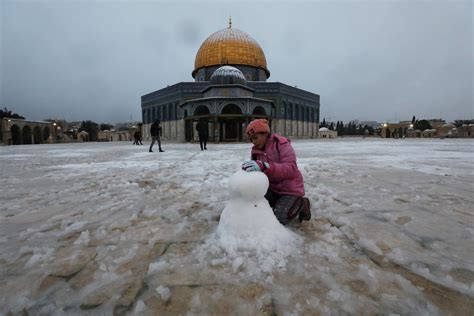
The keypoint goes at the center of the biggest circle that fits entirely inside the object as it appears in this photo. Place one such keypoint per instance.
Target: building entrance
(231, 130)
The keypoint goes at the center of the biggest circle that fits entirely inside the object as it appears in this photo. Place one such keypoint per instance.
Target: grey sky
(369, 60)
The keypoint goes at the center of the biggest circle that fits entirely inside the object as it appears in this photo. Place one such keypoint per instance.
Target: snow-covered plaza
(103, 228)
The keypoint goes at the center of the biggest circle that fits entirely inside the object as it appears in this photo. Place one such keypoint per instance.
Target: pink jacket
(283, 174)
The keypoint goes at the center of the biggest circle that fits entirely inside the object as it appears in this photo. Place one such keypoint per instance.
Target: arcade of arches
(228, 125)
(21, 132)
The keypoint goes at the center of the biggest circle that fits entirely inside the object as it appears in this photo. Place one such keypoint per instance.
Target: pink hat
(257, 126)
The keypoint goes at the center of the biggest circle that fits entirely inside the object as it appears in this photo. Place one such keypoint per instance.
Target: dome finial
(230, 22)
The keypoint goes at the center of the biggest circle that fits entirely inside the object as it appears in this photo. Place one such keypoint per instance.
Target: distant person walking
(155, 132)
(137, 138)
(203, 132)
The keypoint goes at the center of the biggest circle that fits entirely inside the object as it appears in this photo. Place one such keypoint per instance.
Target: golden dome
(230, 47)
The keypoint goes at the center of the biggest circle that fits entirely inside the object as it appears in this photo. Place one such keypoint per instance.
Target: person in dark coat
(137, 138)
(203, 132)
(156, 132)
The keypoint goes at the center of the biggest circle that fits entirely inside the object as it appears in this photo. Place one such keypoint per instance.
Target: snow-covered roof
(324, 129)
(228, 75)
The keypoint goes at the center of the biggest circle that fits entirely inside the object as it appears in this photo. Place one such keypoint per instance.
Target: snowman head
(249, 186)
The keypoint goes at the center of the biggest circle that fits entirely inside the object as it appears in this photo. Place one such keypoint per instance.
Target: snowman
(247, 222)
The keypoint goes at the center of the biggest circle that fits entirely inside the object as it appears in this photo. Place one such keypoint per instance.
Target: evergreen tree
(7, 113)
(422, 125)
(340, 128)
(105, 126)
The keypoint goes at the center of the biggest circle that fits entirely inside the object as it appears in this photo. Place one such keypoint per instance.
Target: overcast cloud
(368, 60)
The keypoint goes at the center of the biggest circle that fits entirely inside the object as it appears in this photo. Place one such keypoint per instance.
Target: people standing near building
(156, 132)
(273, 155)
(202, 128)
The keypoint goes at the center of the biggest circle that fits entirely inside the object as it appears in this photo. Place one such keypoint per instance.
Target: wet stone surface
(104, 229)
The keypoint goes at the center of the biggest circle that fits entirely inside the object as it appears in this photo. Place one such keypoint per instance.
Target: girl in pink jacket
(273, 155)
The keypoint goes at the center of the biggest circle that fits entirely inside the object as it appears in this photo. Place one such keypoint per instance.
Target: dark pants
(157, 138)
(282, 205)
(203, 141)
(137, 141)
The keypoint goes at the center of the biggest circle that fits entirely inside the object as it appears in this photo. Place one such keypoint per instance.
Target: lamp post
(55, 132)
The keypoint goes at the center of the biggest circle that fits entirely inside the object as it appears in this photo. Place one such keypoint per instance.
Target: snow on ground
(108, 228)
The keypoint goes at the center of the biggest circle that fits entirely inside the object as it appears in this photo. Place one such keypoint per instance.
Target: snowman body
(247, 222)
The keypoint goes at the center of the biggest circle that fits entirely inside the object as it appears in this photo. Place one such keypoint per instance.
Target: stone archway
(230, 127)
(400, 132)
(231, 109)
(16, 135)
(201, 110)
(258, 110)
(26, 135)
(37, 135)
(46, 132)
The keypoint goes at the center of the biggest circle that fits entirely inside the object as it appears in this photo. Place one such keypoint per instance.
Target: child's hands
(255, 165)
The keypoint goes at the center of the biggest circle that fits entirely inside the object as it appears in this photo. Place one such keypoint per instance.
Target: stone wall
(172, 131)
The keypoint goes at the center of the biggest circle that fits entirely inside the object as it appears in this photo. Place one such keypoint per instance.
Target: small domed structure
(228, 75)
(325, 132)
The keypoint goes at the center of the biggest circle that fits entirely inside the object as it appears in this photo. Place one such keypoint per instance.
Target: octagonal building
(230, 89)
